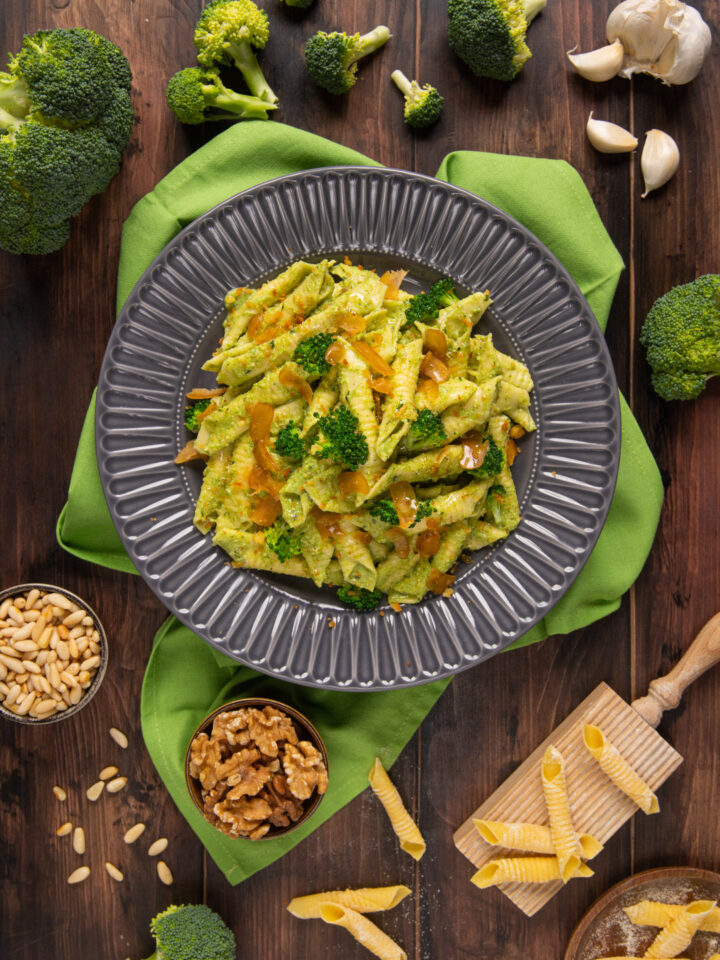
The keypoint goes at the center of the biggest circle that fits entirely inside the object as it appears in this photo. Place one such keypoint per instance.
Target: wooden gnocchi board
(598, 807)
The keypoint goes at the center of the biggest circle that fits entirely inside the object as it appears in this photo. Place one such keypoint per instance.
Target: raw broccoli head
(359, 598)
(289, 443)
(282, 541)
(492, 464)
(310, 353)
(332, 58)
(191, 932)
(193, 411)
(423, 105)
(489, 35)
(344, 443)
(428, 429)
(198, 94)
(681, 335)
(227, 32)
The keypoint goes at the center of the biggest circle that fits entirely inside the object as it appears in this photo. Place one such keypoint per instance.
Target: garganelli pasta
(679, 932)
(564, 838)
(359, 437)
(526, 870)
(530, 837)
(364, 931)
(651, 913)
(407, 831)
(618, 769)
(363, 900)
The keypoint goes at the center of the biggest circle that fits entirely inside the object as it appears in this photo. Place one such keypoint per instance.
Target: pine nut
(43, 640)
(157, 847)
(75, 695)
(23, 632)
(7, 650)
(73, 648)
(14, 614)
(4, 689)
(63, 631)
(134, 832)
(15, 691)
(116, 785)
(73, 619)
(113, 871)
(90, 663)
(60, 793)
(46, 708)
(64, 830)
(76, 632)
(30, 667)
(107, 773)
(25, 704)
(31, 615)
(77, 876)
(60, 706)
(58, 600)
(20, 603)
(4, 607)
(86, 621)
(12, 663)
(3, 671)
(62, 650)
(51, 672)
(68, 678)
(25, 645)
(93, 792)
(119, 737)
(79, 840)
(38, 629)
(164, 873)
(83, 677)
(21, 678)
(32, 597)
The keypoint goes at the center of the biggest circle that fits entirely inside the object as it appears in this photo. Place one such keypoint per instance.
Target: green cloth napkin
(185, 678)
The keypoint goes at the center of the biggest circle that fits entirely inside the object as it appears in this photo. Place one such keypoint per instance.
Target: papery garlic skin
(666, 38)
(601, 64)
(659, 161)
(609, 137)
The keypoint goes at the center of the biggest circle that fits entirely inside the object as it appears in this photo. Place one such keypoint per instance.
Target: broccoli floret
(191, 932)
(493, 462)
(332, 58)
(494, 502)
(359, 597)
(421, 308)
(423, 105)
(681, 335)
(385, 510)
(310, 354)
(282, 541)
(226, 33)
(195, 95)
(428, 430)
(424, 510)
(344, 443)
(444, 293)
(192, 412)
(489, 35)
(289, 443)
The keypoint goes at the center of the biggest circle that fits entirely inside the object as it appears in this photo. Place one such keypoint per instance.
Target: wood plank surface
(56, 313)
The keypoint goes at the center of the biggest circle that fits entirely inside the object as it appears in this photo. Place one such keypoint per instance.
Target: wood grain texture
(55, 316)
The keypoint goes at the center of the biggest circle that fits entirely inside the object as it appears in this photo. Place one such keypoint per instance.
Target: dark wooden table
(55, 316)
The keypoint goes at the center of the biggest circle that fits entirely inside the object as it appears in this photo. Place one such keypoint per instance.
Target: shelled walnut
(255, 773)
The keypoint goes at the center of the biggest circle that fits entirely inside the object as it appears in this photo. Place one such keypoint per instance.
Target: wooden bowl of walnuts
(256, 769)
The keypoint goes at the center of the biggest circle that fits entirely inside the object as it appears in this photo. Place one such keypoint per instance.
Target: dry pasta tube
(651, 913)
(363, 900)
(564, 838)
(680, 931)
(619, 770)
(364, 931)
(524, 870)
(531, 837)
(407, 831)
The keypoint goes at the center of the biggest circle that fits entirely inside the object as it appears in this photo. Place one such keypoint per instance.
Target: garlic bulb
(666, 38)
(599, 65)
(660, 159)
(609, 137)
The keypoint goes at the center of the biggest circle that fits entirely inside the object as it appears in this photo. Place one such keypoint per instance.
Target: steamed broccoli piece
(493, 462)
(226, 33)
(385, 510)
(191, 932)
(344, 443)
(681, 335)
(489, 35)
(428, 429)
(423, 105)
(195, 95)
(310, 354)
(494, 502)
(444, 293)
(282, 541)
(289, 443)
(422, 308)
(332, 58)
(193, 411)
(358, 597)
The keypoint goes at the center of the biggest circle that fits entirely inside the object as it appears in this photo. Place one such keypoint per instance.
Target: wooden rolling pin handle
(666, 692)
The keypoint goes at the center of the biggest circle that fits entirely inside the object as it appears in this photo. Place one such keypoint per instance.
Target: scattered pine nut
(113, 871)
(119, 737)
(116, 785)
(64, 830)
(157, 847)
(77, 876)
(164, 873)
(95, 790)
(134, 832)
(79, 840)
(60, 794)
(107, 772)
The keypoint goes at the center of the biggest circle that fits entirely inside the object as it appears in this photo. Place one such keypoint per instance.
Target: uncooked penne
(618, 769)
(363, 900)
(531, 837)
(407, 831)
(364, 931)
(524, 870)
(679, 932)
(564, 838)
(651, 913)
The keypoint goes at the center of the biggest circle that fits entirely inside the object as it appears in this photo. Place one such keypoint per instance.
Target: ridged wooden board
(598, 807)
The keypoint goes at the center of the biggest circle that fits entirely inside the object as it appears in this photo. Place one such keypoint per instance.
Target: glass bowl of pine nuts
(53, 653)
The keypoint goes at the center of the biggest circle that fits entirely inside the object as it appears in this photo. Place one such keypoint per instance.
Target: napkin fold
(185, 678)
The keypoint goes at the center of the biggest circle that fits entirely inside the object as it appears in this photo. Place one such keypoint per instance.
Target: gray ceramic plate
(384, 219)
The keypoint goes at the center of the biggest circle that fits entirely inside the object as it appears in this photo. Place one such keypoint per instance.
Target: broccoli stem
(239, 104)
(369, 42)
(533, 8)
(9, 122)
(401, 82)
(14, 96)
(247, 63)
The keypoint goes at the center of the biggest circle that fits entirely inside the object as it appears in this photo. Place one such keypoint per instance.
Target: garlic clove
(609, 137)
(659, 161)
(601, 64)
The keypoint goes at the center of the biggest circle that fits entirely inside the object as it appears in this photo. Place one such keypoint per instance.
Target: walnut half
(305, 770)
